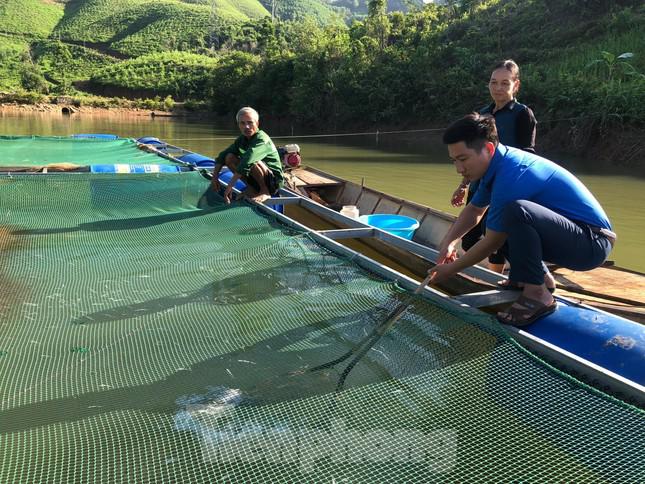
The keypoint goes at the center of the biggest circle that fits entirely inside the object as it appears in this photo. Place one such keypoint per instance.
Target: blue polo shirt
(519, 175)
(515, 127)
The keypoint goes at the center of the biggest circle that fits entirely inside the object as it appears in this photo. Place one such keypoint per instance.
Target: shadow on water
(263, 373)
(123, 224)
(291, 277)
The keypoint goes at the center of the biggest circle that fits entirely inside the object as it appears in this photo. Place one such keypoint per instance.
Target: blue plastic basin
(395, 224)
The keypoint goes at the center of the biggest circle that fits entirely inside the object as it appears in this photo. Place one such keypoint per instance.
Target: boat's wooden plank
(619, 285)
(308, 178)
(350, 194)
(386, 205)
(337, 234)
(367, 202)
(431, 231)
(413, 212)
(283, 201)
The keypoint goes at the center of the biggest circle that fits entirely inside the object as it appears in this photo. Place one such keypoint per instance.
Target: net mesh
(44, 150)
(149, 333)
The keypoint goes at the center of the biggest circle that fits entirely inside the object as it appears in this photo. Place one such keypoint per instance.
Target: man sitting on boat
(253, 158)
(537, 211)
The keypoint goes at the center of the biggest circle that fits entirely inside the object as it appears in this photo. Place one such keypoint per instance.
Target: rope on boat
(333, 135)
(376, 133)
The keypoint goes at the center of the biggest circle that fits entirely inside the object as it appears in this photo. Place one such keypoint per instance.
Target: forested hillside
(47, 45)
(582, 61)
(326, 11)
(299, 9)
(138, 27)
(358, 8)
(32, 17)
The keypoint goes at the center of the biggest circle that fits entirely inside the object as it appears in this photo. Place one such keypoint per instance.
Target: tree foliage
(322, 12)
(425, 66)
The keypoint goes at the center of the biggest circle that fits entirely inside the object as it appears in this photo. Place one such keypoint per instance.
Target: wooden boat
(612, 288)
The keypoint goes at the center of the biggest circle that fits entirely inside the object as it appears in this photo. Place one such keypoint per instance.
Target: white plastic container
(350, 211)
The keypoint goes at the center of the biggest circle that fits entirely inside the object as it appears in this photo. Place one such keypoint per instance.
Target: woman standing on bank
(516, 127)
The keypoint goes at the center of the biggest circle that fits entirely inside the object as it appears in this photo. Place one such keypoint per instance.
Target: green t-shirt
(258, 148)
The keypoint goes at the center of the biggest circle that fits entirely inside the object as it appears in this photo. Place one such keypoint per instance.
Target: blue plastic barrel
(225, 176)
(609, 341)
(150, 140)
(96, 136)
(198, 160)
(125, 168)
(395, 224)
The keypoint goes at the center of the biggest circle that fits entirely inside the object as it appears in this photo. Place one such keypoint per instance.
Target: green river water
(414, 166)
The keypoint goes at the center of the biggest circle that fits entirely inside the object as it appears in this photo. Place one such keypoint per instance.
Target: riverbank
(622, 147)
(72, 109)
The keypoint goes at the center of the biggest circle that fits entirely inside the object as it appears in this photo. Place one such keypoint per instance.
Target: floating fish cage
(151, 333)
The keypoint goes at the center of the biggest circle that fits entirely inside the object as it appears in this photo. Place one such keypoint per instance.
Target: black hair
(474, 130)
(511, 66)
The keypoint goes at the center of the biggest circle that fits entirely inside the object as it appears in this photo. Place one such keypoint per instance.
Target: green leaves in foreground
(615, 66)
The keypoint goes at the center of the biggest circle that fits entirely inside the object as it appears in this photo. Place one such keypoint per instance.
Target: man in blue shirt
(516, 126)
(538, 208)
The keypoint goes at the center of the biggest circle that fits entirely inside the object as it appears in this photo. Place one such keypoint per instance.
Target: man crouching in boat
(253, 158)
(537, 211)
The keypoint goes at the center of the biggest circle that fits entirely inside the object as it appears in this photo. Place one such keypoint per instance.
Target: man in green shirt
(253, 158)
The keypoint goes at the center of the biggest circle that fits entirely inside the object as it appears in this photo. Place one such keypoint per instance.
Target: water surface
(413, 166)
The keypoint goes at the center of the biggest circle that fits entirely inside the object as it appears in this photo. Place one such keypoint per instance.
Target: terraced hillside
(47, 45)
(13, 52)
(358, 8)
(32, 17)
(166, 73)
(137, 27)
(298, 9)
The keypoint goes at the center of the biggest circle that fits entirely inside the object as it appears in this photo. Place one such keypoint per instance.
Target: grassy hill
(33, 17)
(172, 73)
(14, 52)
(138, 27)
(63, 63)
(45, 45)
(298, 9)
(358, 8)
(326, 11)
(219, 80)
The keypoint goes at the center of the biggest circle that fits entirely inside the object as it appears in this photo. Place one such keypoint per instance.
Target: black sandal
(530, 311)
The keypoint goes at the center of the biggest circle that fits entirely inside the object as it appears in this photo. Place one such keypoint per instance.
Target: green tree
(168, 103)
(378, 23)
(32, 79)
